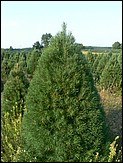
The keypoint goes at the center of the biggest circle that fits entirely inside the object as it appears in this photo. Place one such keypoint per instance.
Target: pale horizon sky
(92, 23)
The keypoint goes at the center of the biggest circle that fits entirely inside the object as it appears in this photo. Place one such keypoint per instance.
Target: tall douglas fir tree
(65, 120)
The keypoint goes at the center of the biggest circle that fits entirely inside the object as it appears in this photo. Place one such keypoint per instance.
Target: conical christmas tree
(33, 61)
(15, 90)
(102, 63)
(65, 120)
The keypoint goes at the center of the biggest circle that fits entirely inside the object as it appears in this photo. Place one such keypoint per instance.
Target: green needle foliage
(33, 61)
(5, 70)
(94, 68)
(120, 59)
(111, 77)
(91, 58)
(64, 120)
(15, 90)
(10, 136)
(102, 62)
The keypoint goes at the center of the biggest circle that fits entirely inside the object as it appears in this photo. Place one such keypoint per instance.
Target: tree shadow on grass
(114, 119)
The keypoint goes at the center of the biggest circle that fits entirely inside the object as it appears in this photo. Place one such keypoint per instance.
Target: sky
(92, 23)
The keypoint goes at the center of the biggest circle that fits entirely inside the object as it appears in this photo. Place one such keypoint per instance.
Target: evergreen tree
(16, 56)
(116, 45)
(5, 70)
(102, 63)
(33, 61)
(120, 72)
(120, 59)
(65, 120)
(112, 75)
(6, 65)
(7, 54)
(91, 58)
(94, 67)
(15, 90)
(23, 62)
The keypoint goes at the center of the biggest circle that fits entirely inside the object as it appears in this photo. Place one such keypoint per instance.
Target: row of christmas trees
(53, 95)
(107, 70)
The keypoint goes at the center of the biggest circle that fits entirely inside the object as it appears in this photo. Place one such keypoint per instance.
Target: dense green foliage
(107, 70)
(111, 77)
(14, 91)
(94, 67)
(5, 70)
(10, 136)
(45, 39)
(65, 120)
(101, 65)
(23, 63)
(33, 61)
(117, 45)
(37, 45)
(91, 59)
